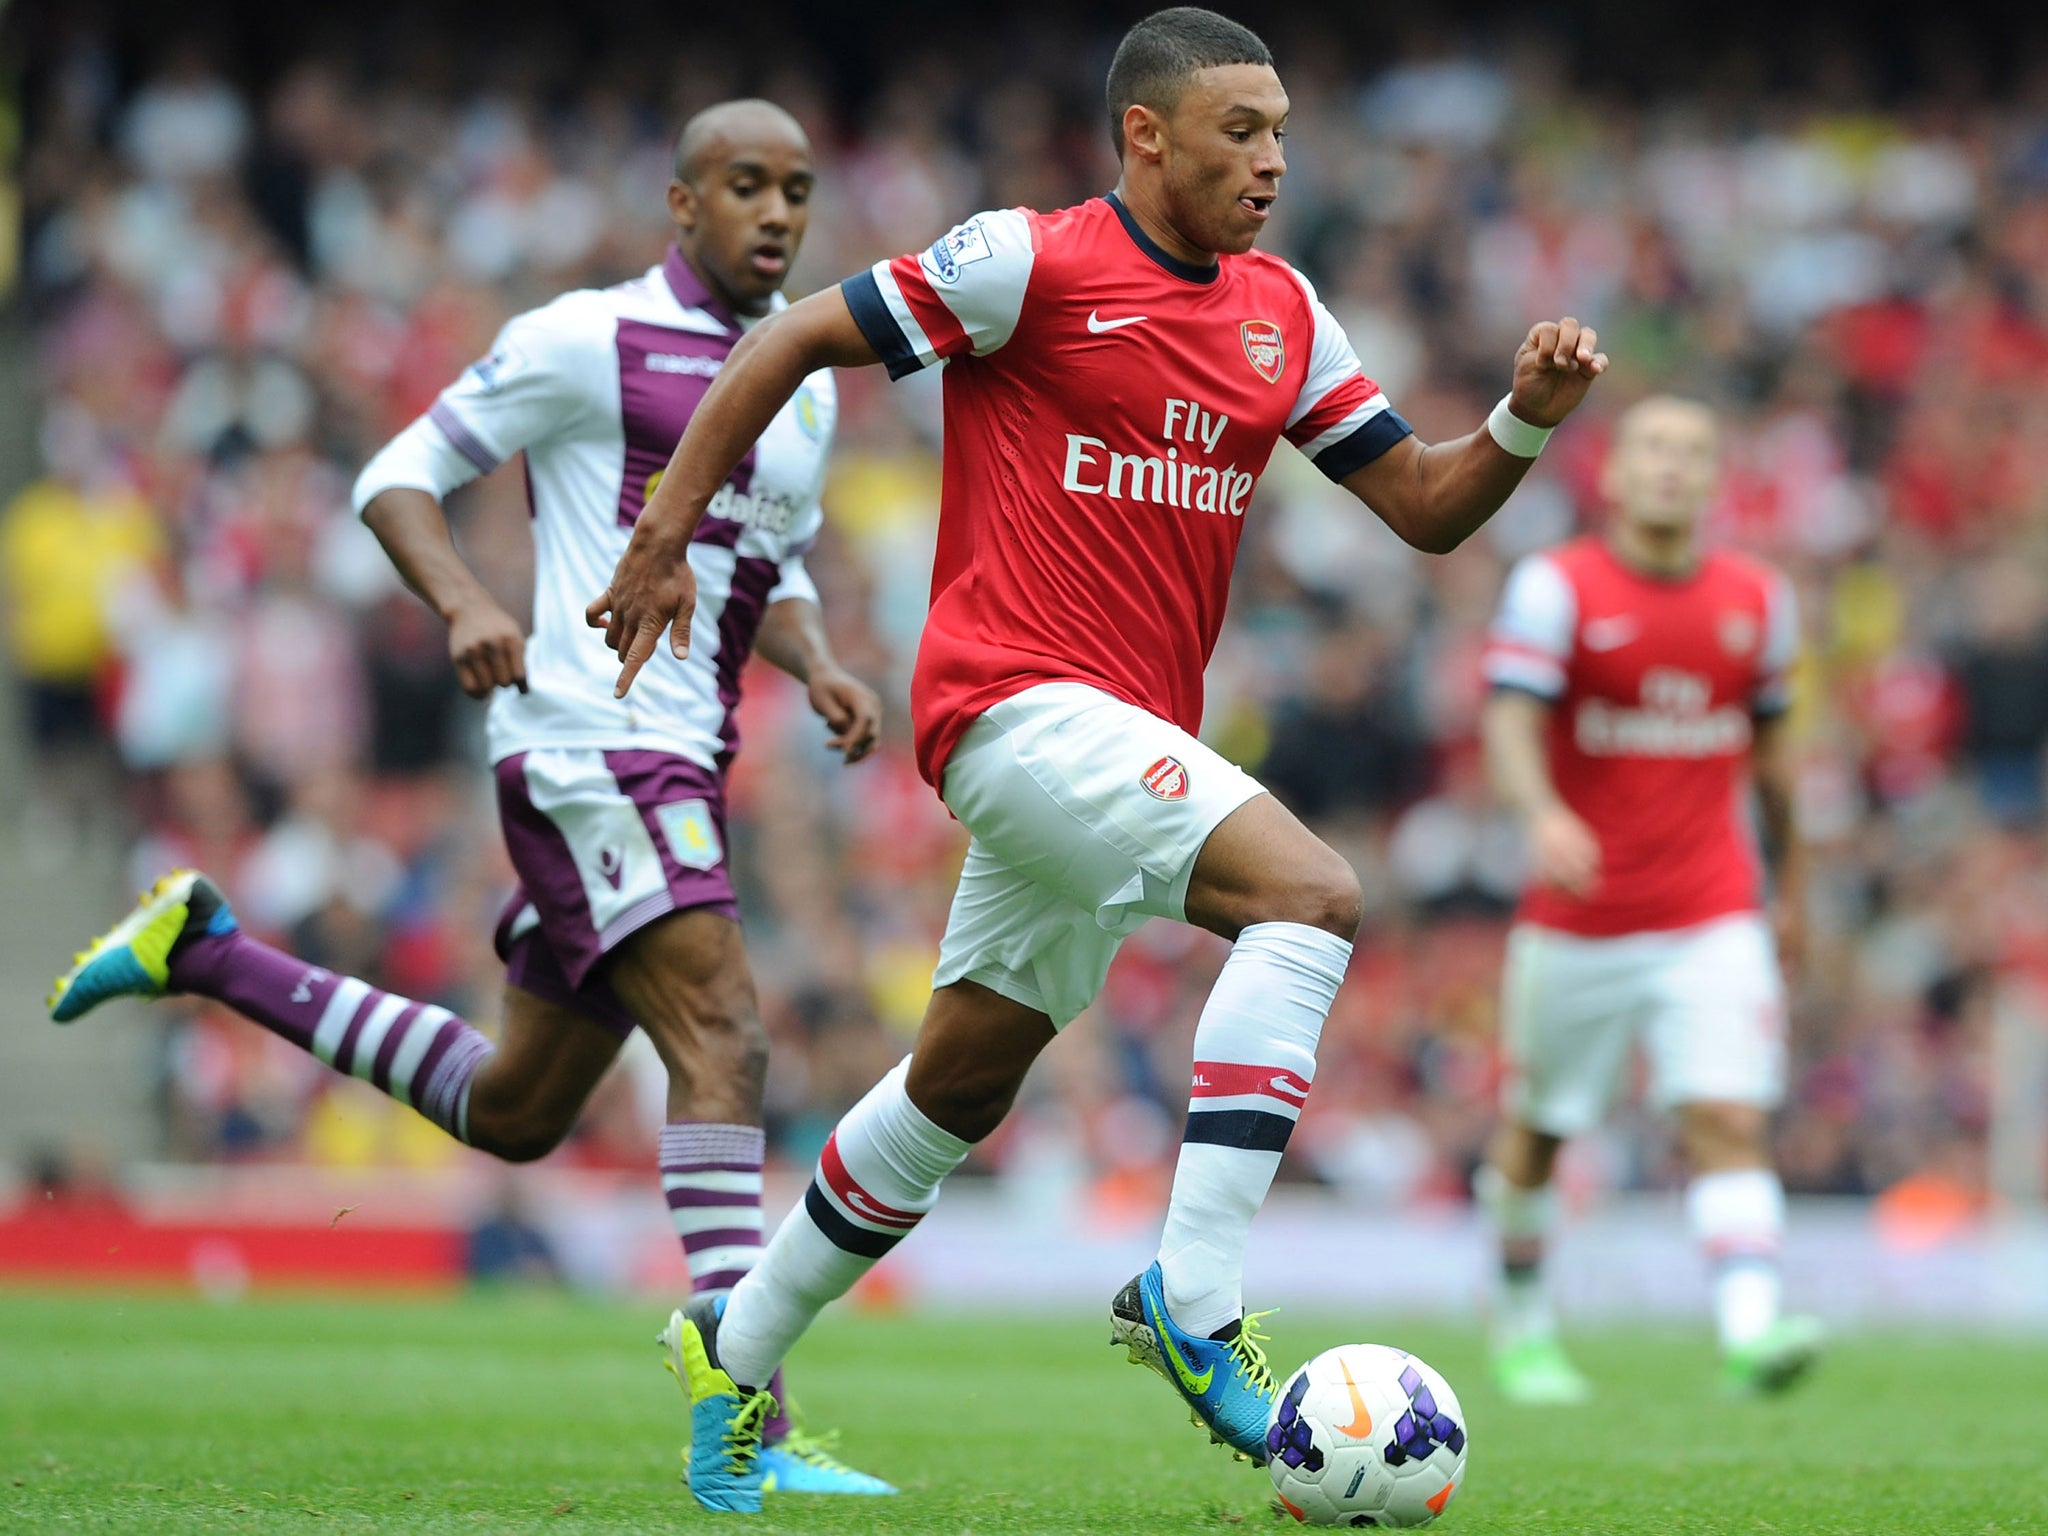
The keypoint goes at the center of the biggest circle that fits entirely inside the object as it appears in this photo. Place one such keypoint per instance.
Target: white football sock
(1738, 1217)
(1522, 1223)
(879, 1173)
(1255, 1056)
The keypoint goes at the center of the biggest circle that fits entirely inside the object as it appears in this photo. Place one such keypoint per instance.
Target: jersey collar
(690, 291)
(1612, 550)
(1187, 271)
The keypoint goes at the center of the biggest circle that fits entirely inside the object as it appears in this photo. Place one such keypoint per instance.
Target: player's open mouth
(1257, 205)
(769, 260)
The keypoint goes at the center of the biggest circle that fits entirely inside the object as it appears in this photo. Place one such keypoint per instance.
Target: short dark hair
(1154, 60)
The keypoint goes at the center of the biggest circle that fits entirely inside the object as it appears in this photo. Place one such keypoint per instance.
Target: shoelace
(815, 1450)
(1249, 1356)
(743, 1432)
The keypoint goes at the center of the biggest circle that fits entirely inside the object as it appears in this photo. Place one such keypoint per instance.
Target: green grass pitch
(520, 1413)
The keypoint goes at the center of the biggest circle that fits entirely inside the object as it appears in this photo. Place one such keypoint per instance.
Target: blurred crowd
(238, 290)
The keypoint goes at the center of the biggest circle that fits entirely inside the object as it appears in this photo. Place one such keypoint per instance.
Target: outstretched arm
(792, 637)
(1437, 495)
(652, 589)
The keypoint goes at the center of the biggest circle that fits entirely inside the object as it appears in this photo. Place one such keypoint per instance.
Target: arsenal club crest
(1166, 780)
(1738, 632)
(1264, 349)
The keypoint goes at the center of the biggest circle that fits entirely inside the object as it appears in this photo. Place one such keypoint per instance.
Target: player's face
(1665, 464)
(1222, 155)
(742, 219)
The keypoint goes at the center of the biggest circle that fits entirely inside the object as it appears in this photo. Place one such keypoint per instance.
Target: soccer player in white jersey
(1640, 690)
(613, 810)
(1117, 375)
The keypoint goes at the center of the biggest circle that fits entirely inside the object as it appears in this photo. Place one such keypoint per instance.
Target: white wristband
(1515, 434)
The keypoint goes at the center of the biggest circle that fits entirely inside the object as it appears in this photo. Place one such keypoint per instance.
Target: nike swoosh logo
(1360, 1427)
(1192, 1384)
(1610, 634)
(1097, 325)
(866, 1205)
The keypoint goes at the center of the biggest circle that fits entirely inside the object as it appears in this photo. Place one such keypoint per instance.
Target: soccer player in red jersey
(1117, 375)
(1639, 694)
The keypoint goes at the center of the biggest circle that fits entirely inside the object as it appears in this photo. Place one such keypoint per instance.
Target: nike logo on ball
(1360, 1427)
(1097, 325)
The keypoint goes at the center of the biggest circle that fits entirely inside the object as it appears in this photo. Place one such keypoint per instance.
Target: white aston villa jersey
(597, 387)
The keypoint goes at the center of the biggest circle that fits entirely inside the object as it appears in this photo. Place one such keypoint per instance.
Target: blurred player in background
(1640, 690)
(1118, 374)
(613, 811)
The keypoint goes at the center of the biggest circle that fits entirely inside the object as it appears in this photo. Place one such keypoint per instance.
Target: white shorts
(1087, 814)
(1707, 1003)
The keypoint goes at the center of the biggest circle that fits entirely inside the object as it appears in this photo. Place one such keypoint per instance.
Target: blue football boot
(726, 1419)
(133, 958)
(801, 1462)
(1224, 1379)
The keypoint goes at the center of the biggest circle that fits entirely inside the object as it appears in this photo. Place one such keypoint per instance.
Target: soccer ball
(1367, 1436)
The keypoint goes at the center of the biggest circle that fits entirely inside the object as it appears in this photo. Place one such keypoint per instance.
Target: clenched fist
(487, 647)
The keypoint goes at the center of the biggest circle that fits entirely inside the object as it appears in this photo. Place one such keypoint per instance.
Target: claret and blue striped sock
(711, 1176)
(420, 1054)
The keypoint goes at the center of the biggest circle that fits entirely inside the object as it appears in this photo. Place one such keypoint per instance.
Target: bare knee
(1261, 865)
(1720, 1135)
(1324, 893)
(964, 1098)
(971, 1057)
(1525, 1158)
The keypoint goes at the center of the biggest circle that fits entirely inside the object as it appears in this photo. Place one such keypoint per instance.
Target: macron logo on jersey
(677, 362)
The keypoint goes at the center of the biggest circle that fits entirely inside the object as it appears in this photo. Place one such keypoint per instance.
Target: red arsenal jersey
(1109, 410)
(1657, 684)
